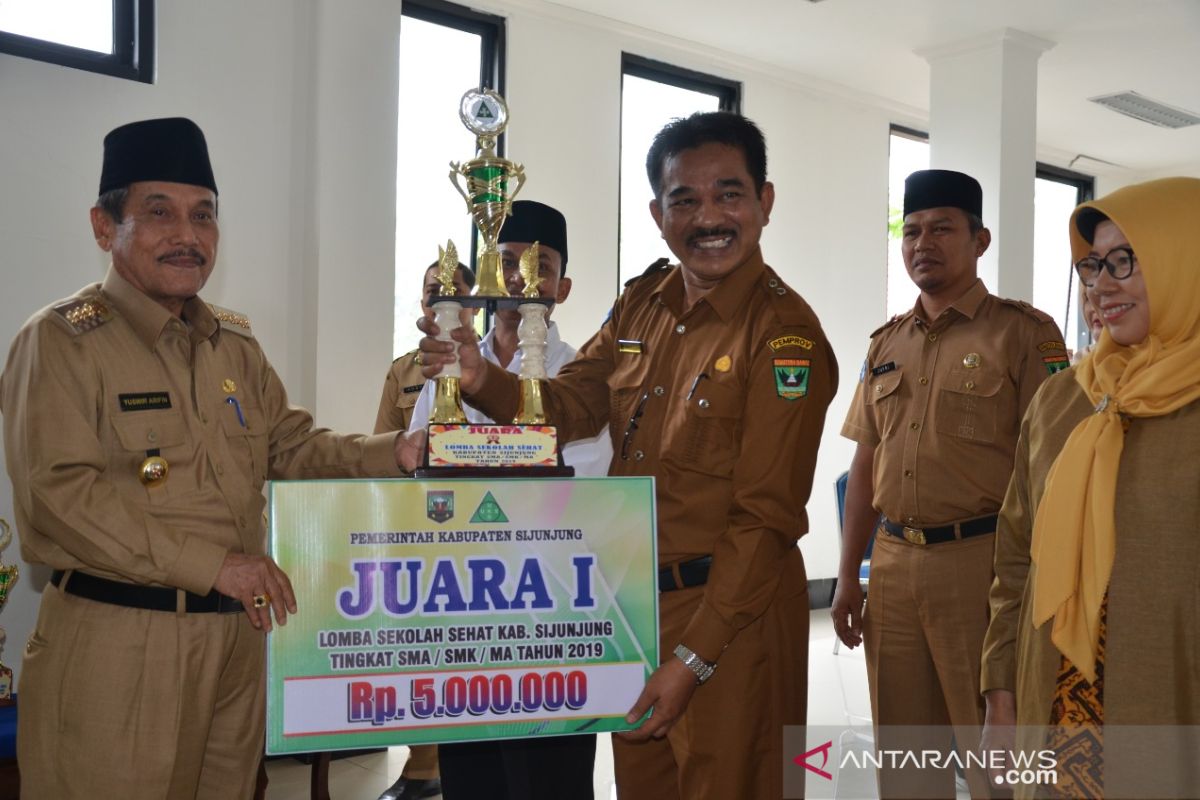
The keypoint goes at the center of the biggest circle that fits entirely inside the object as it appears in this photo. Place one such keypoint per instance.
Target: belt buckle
(914, 535)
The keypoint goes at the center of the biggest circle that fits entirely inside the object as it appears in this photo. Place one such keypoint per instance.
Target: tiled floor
(837, 686)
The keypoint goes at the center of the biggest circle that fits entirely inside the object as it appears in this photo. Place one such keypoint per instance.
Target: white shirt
(590, 457)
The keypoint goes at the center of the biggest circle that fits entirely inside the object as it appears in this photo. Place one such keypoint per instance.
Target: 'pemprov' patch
(791, 377)
(790, 341)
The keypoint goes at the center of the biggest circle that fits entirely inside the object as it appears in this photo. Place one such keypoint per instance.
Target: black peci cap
(171, 149)
(532, 221)
(939, 188)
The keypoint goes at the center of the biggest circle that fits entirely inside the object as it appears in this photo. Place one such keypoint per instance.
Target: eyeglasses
(1119, 262)
(633, 425)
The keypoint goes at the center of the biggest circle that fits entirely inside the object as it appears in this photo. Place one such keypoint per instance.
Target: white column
(983, 121)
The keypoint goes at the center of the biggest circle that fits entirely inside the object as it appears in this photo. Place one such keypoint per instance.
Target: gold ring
(261, 600)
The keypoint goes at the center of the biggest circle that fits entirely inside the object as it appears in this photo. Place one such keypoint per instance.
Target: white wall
(298, 100)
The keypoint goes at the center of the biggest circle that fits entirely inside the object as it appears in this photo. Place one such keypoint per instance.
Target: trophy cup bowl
(489, 202)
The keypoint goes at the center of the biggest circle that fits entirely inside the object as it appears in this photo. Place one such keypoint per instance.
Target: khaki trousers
(927, 613)
(729, 741)
(123, 702)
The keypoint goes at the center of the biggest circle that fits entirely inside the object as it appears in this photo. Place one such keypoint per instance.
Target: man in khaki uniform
(936, 415)
(714, 377)
(140, 424)
(401, 389)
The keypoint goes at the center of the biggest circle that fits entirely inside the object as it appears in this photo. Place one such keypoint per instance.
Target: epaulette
(84, 314)
(662, 265)
(1036, 313)
(889, 324)
(788, 305)
(231, 320)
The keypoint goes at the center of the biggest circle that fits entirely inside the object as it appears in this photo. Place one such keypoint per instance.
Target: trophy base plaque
(493, 450)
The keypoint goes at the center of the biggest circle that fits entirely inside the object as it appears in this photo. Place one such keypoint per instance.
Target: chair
(864, 569)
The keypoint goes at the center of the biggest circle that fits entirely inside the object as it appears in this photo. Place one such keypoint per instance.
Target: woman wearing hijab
(1096, 601)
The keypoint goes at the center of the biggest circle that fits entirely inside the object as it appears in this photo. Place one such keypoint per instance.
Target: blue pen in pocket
(238, 408)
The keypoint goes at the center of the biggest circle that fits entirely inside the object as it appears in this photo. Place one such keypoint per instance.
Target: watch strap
(701, 668)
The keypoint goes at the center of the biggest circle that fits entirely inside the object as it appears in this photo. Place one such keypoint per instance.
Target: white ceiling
(868, 46)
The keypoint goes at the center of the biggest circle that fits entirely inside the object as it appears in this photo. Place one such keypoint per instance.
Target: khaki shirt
(401, 389)
(942, 403)
(730, 398)
(96, 384)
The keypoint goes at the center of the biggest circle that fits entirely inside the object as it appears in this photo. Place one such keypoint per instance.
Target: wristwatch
(695, 663)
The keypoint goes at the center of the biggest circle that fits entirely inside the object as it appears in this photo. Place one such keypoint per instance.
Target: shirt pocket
(707, 438)
(246, 435)
(626, 388)
(140, 435)
(884, 398)
(970, 405)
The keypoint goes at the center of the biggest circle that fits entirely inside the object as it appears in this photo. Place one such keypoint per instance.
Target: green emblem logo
(791, 377)
(439, 506)
(489, 511)
(1056, 363)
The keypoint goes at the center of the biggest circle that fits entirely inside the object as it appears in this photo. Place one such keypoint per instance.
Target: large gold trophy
(528, 446)
(8, 577)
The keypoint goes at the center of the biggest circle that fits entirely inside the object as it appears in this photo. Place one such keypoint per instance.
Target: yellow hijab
(1074, 533)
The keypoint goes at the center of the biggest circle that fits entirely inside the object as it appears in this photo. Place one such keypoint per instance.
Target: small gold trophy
(531, 337)
(8, 577)
(487, 179)
(447, 400)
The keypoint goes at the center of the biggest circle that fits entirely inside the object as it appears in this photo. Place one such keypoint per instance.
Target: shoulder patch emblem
(791, 377)
(790, 341)
(1044, 346)
(84, 315)
(231, 320)
(1056, 363)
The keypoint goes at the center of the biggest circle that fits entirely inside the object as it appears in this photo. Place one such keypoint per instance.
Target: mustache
(702, 233)
(185, 252)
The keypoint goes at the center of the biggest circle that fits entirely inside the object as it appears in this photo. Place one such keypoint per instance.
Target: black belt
(153, 598)
(691, 573)
(942, 533)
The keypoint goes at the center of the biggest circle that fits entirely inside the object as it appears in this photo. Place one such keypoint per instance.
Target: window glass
(646, 106)
(87, 24)
(438, 64)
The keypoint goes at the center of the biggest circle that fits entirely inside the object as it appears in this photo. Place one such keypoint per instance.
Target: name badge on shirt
(144, 401)
(634, 346)
(883, 369)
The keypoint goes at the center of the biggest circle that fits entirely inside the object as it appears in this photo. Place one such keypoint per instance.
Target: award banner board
(457, 610)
